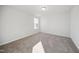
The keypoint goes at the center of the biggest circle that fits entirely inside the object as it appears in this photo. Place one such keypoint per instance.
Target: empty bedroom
(39, 29)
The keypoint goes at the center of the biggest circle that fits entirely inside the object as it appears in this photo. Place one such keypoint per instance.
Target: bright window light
(36, 20)
(38, 48)
(36, 23)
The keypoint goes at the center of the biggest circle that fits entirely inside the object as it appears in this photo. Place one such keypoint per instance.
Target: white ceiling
(36, 9)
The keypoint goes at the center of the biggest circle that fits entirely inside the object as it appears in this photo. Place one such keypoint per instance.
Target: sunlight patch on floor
(38, 48)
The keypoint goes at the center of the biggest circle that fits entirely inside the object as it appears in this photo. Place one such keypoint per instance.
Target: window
(36, 23)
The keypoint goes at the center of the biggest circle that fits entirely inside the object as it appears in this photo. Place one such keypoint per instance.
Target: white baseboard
(18, 38)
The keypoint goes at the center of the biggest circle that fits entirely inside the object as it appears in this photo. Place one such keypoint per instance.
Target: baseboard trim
(57, 35)
(18, 38)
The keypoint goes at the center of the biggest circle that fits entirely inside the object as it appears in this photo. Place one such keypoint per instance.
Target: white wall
(14, 24)
(56, 23)
(75, 25)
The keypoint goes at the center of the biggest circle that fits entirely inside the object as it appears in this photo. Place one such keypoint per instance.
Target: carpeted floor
(50, 43)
